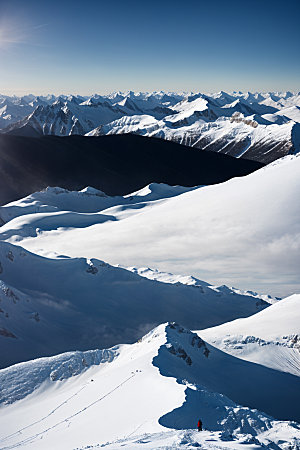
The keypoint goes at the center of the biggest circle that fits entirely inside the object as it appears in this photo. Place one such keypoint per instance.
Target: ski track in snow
(45, 417)
(67, 419)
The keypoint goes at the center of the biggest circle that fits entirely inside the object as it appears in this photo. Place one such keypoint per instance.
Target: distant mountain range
(259, 126)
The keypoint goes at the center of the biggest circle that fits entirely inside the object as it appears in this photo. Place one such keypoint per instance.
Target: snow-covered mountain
(270, 338)
(71, 115)
(52, 305)
(14, 109)
(239, 372)
(237, 135)
(260, 126)
(242, 232)
(149, 393)
(166, 277)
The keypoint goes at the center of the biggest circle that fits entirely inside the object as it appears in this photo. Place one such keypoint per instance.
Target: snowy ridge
(164, 277)
(206, 440)
(260, 126)
(238, 135)
(172, 371)
(50, 306)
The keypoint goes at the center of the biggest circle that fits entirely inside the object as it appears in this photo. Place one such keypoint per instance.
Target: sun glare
(11, 33)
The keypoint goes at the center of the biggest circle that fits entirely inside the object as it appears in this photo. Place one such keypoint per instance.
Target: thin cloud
(15, 35)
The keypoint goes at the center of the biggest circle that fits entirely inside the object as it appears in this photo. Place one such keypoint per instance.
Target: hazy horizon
(105, 93)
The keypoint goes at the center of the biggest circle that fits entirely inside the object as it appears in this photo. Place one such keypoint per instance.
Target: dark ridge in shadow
(221, 379)
(117, 164)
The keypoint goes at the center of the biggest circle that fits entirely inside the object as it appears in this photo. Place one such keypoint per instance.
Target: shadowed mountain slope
(50, 306)
(116, 165)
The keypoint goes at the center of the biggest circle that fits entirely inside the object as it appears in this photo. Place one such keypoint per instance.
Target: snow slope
(270, 337)
(57, 208)
(49, 305)
(142, 393)
(245, 231)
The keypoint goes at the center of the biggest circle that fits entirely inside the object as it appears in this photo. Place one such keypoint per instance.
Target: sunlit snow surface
(243, 232)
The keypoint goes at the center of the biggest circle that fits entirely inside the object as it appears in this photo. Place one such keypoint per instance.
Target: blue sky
(95, 46)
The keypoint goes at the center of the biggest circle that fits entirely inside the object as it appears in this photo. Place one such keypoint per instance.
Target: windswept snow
(279, 320)
(164, 277)
(141, 394)
(206, 440)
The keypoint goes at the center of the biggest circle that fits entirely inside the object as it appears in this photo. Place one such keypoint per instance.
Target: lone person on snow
(199, 425)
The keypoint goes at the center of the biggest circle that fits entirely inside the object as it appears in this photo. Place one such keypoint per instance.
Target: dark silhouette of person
(199, 425)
